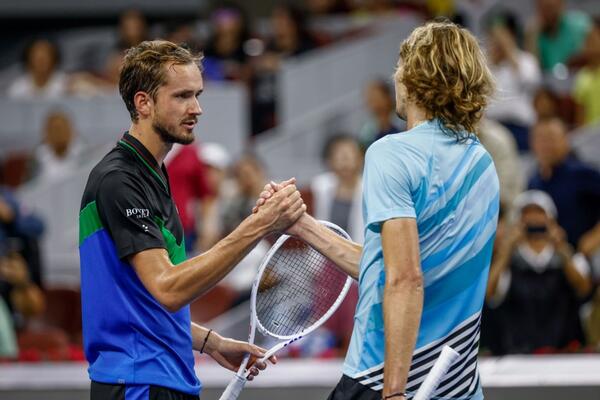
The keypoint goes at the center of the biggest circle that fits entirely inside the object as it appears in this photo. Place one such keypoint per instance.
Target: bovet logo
(138, 212)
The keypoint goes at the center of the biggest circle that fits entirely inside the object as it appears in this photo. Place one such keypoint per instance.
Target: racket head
(296, 288)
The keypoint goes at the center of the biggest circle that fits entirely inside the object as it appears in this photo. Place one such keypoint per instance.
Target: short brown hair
(446, 73)
(144, 69)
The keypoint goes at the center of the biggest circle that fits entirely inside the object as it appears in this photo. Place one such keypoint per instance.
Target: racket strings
(298, 287)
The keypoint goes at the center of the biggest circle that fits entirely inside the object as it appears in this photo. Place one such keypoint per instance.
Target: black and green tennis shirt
(129, 338)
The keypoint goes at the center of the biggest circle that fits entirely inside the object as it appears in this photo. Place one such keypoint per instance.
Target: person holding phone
(536, 280)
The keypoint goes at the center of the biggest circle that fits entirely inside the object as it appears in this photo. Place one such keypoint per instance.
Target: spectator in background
(216, 160)
(556, 35)
(380, 102)
(336, 194)
(337, 197)
(546, 103)
(181, 31)
(537, 281)
(133, 29)
(290, 37)
(19, 296)
(250, 177)
(87, 84)
(41, 78)
(192, 195)
(225, 53)
(18, 289)
(318, 8)
(517, 76)
(60, 151)
(21, 231)
(586, 91)
(501, 145)
(8, 339)
(492, 325)
(573, 185)
(372, 7)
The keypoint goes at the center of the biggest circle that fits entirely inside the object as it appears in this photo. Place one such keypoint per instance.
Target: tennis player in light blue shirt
(430, 206)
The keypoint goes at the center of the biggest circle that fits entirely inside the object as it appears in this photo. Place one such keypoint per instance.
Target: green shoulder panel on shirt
(176, 251)
(89, 221)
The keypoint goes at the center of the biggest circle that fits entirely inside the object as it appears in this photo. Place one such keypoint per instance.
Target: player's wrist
(255, 226)
(395, 395)
(212, 342)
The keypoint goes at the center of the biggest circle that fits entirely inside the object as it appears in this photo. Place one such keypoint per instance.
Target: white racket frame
(242, 375)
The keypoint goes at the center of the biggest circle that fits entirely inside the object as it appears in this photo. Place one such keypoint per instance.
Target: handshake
(280, 208)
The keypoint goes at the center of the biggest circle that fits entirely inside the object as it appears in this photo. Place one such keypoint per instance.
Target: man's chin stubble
(168, 137)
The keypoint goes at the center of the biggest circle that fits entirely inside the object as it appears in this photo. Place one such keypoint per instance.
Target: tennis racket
(294, 292)
(436, 374)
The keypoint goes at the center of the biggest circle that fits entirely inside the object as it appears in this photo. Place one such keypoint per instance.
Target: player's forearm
(197, 275)
(402, 308)
(344, 253)
(201, 340)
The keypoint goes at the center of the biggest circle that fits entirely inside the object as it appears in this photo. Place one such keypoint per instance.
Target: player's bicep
(400, 242)
(151, 266)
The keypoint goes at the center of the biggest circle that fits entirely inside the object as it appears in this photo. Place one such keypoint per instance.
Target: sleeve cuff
(132, 249)
(383, 216)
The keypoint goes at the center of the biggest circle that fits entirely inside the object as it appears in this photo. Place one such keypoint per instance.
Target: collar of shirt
(135, 146)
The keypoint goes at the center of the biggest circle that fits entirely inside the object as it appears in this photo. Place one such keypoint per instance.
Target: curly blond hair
(445, 72)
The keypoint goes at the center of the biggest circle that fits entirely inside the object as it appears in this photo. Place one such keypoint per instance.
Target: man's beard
(167, 135)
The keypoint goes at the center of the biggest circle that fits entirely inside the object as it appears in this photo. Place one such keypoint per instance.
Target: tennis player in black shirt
(135, 281)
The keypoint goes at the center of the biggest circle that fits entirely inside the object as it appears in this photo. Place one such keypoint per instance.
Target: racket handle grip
(437, 373)
(233, 390)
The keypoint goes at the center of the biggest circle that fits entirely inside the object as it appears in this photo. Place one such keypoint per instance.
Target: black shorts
(351, 389)
(109, 391)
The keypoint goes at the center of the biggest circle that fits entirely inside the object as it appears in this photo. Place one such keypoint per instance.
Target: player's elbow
(170, 302)
(408, 279)
(168, 297)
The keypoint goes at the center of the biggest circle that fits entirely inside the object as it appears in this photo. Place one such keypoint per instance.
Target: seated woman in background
(41, 78)
(379, 100)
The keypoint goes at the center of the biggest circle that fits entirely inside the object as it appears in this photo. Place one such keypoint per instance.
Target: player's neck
(151, 141)
(415, 115)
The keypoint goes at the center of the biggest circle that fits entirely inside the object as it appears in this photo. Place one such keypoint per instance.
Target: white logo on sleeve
(137, 212)
(146, 229)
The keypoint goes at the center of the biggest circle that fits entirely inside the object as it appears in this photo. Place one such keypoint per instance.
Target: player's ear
(143, 104)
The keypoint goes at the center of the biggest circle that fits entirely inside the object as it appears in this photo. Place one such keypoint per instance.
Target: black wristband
(205, 340)
(399, 394)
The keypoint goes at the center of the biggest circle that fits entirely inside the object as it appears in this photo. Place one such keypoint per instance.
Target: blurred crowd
(234, 49)
(543, 293)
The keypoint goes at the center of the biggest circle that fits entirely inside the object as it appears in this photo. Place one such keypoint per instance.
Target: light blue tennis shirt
(452, 191)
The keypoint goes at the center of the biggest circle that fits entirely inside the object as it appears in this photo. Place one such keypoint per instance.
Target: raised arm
(176, 287)
(344, 253)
